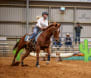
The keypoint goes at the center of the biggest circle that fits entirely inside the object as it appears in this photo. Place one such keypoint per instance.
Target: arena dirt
(64, 69)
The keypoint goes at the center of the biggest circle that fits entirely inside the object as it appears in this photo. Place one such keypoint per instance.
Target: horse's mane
(49, 26)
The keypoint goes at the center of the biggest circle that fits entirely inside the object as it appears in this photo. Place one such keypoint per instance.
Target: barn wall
(86, 32)
(12, 29)
(12, 14)
(83, 15)
(67, 28)
(58, 17)
(18, 14)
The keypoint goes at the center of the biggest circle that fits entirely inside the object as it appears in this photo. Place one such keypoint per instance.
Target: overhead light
(62, 9)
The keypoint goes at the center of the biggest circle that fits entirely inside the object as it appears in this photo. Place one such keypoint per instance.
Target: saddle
(30, 43)
(27, 38)
(33, 41)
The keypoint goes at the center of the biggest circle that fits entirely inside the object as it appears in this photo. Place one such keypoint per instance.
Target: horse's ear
(55, 24)
(59, 25)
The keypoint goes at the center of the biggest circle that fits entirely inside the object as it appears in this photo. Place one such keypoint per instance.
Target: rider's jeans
(77, 37)
(35, 31)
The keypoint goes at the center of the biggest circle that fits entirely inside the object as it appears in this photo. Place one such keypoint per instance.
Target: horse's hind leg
(24, 56)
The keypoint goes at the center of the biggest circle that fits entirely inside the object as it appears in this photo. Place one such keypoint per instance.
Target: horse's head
(53, 29)
(56, 32)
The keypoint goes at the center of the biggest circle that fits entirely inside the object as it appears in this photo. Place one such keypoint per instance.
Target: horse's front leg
(24, 56)
(37, 51)
(13, 62)
(48, 58)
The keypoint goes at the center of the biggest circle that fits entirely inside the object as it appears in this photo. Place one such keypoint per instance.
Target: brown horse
(42, 43)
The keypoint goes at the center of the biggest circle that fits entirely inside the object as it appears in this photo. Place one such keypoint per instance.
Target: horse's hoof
(15, 64)
(38, 66)
(22, 65)
(12, 64)
(47, 62)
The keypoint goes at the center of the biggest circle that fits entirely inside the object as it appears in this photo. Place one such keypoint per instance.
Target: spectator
(68, 40)
(57, 43)
(77, 33)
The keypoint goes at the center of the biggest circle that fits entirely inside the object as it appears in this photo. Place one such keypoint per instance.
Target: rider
(42, 23)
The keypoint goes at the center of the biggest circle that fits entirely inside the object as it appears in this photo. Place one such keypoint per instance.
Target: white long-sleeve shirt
(42, 23)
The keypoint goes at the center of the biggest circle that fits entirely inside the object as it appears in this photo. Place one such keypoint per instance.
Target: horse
(42, 43)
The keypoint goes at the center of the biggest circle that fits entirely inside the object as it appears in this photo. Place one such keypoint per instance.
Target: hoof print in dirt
(25, 65)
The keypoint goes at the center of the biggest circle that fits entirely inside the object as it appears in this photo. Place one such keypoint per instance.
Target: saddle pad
(38, 35)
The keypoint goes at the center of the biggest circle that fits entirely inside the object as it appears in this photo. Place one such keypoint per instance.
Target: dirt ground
(64, 69)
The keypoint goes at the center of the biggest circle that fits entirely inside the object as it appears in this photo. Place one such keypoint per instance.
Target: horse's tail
(16, 45)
